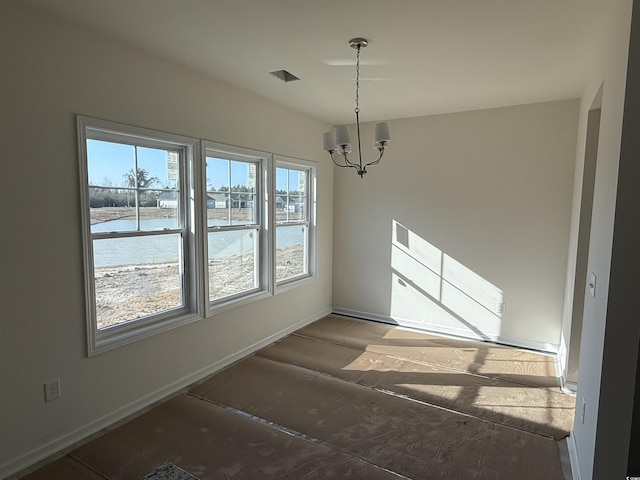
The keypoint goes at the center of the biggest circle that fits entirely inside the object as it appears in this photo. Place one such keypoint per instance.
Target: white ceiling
(424, 56)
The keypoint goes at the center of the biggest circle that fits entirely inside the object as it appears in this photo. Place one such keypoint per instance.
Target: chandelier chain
(357, 109)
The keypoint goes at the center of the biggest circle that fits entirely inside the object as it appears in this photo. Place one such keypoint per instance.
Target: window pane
(109, 205)
(243, 210)
(297, 195)
(243, 176)
(232, 262)
(218, 209)
(231, 192)
(150, 249)
(297, 182)
(291, 251)
(297, 209)
(157, 168)
(136, 277)
(108, 163)
(282, 194)
(282, 180)
(281, 208)
(217, 175)
(158, 210)
(291, 195)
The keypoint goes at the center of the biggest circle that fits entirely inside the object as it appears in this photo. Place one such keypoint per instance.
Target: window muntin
(234, 225)
(292, 206)
(136, 231)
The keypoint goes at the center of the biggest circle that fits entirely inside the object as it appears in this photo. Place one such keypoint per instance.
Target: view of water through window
(162, 248)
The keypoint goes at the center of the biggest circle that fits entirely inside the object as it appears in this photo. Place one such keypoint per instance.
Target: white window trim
(193, 184)
(99, 341)
(297, 281)
(265, 284)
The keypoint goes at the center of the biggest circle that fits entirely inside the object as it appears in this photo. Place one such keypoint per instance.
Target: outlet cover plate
(52, 390)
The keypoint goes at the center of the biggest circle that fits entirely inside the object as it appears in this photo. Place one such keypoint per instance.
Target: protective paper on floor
(212, 442)
(488, 359)
(415, 440)
(534, 407)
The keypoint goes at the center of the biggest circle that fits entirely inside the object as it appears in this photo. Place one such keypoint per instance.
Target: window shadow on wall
(430, 289)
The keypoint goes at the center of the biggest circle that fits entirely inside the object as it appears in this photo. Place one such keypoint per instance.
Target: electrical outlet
(52, 390)
(500, 308)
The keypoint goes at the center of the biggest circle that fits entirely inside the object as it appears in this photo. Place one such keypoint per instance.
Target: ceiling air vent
(284, 76)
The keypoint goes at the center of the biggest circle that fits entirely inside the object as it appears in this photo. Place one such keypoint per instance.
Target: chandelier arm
(359, 169)
(375, 162)
(350, 163)
(336, 163)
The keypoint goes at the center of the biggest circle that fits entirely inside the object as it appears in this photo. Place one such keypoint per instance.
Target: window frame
(100, 340)
(291, 163)
(263, 161)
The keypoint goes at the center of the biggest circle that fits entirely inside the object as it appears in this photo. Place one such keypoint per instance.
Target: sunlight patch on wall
(432, 290)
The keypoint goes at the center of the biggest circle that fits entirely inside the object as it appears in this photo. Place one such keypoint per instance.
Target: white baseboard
(454, 332)
(64, 441)
(573, 456)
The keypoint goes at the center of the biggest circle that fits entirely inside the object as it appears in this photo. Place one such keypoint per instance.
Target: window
(294, 180)
(236, 238)
(138, 240)
(176, 229)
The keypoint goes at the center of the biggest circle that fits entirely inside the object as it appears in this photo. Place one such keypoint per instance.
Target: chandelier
(338, 140)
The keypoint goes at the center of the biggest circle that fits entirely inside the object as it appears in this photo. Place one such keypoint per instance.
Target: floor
(343, 398)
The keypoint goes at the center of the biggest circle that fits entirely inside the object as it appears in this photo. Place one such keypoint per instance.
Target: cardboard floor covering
(348, 399)
(412, 439)
(470, 377)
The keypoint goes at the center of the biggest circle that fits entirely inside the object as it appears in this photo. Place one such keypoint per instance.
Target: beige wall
(50, 72)
(483, 200)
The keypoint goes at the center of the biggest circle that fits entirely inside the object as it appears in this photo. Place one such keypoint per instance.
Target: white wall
(51, 71)
(609, 341)
(485, 198)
